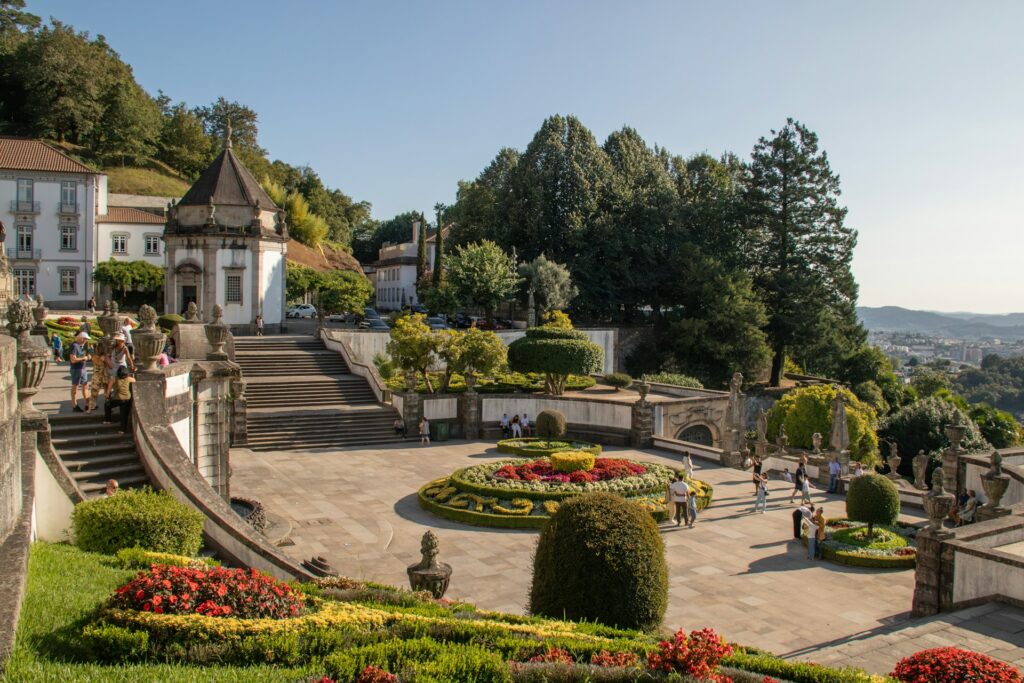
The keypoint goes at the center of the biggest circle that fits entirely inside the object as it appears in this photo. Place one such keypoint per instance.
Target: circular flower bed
(214, 592)
(540, 448)
(953, 665)
(524, 493)
(891, 547)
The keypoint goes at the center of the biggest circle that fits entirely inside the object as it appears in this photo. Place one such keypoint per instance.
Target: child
(58, 347)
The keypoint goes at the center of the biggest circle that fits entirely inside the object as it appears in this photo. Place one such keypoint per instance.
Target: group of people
(810, 520)
(422, 428)
(517, 427)
(680, 497)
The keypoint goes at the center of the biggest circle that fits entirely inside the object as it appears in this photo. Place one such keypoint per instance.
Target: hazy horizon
(917, 103)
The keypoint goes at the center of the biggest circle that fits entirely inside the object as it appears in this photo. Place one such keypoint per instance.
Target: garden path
(739, 573)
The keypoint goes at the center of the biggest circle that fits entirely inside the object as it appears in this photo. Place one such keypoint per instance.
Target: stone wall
(10, 435)
(17, 472)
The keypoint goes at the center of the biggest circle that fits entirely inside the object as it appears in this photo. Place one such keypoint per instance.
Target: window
(25, 191)
(68, 195)
(24, 241)
(68, 281)
(233, 289)
(24, 282)
(152, 245)
(120, 244)
(69, 238)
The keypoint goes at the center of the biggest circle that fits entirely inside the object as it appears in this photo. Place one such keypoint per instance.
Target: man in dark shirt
(77, 357)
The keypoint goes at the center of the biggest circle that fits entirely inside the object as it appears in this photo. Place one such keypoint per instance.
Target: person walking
(126, 330)
(121, 397)
(58, 347)
(79, 374)
(805, 489)
(834, 469)
(758, 466)
(424, 432)
(798, 481)
(688, 464)
(259, 325)
(679, 492)
(691, 505)
(816, 534)
(112, 488)
(762, 494)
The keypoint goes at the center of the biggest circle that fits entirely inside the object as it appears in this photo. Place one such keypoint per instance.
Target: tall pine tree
(798, 245)
(438, 244)
(421, 247)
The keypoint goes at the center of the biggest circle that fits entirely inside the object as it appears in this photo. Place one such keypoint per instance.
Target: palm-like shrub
(872, 499)
(551, 424)
(600, 558)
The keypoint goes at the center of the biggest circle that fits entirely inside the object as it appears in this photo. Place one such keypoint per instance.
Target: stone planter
(894, 466)
(955, 434)
(149, 341)
(32, 359)
(995, 482)
(429, 574)
(937, 503)
(217, 335)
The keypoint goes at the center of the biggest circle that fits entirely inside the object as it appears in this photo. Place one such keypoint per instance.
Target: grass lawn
(144, 181)
(64, 585)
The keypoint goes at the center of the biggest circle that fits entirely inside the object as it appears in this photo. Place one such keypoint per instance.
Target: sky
(919, 105)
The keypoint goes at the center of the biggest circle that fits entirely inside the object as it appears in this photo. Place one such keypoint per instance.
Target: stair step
(106, 472)
(65, 439)
(96, 488)
(74, 464)
(86, 451)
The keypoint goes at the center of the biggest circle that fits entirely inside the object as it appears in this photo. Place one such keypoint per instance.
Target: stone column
(470, 414)
(239, 425)
(411, 412)
(928, 576)
(951, 458)
(642, 424)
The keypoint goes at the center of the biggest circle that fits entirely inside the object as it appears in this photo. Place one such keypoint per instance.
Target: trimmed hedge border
(855, 559)
(504, 446)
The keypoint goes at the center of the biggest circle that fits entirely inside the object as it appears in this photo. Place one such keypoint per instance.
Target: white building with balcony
(396, 271)
(48, 206)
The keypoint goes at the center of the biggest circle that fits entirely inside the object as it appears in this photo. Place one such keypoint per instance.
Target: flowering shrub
(953, 665)
(214, 592)
(373, 674)
(572, 461)
(697, 655)
(604, 469)
(605, 658)
(554, 654)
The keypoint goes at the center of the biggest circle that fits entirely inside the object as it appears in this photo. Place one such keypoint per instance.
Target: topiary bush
(557, 353)
(601, 558)
(572, 461)
(953, 665)
(144, 519)
(168, 321)
(809, 409)
(551, 424)
(619, 380)
(872, 499)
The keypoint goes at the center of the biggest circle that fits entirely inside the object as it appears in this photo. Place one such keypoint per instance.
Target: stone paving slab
(737, 572)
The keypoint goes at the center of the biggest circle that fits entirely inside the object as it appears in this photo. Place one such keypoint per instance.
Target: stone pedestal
(411, 412)
(469, 414)
(951, 458)
(428, 574)
(642, 424)
(239, 424)
(933, 578)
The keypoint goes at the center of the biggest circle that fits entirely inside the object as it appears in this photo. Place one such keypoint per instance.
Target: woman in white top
(517, 428)
(424, 432)
(126, 330)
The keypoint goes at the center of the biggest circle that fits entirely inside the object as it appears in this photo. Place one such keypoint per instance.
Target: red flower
(605, 658)
(697, 655)
(373, 674)
(953, 665)
(554, 654)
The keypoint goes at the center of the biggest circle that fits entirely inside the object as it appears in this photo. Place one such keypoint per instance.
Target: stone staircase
(94, 452)
(300, 394)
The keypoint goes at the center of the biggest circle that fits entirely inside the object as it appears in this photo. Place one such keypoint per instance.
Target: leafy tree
(130, 125)
(476, 352)
(998, 427)
(921, 426)
(717, 328)
(807, 410)
(303, 225)
(711, 195)
(481, 208)
(367, 244)
(873, 499)
(412, 346)
(481, 274)
(551, 284)
(129, 276)
(439, 246)
(928, 382)
(183, 144)
(13, 18)
(440, 298)
(243, 121)
(799, 247)
(299, 282)
(342, 291)
(557, 353)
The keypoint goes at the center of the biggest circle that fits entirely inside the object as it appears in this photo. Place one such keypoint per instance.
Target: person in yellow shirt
(120, 395)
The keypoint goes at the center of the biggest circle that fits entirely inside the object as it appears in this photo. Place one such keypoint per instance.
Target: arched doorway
(699, 434)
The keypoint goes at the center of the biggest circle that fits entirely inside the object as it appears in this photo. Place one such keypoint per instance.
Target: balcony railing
(66, 208)
(24, 207)
(29, 254)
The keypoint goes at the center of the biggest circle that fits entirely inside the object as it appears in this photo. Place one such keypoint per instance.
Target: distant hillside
(952, 325)
(324, 257)
(145, 181)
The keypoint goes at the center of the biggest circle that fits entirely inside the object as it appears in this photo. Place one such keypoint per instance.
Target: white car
(301, 311)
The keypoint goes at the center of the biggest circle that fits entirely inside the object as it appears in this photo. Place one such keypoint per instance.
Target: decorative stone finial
(147, 318)
(39, 299)
(227, 136)
(113, 308)
(997, 464)
(938, 481)
(218, 314)
(429, 574)
(106, 307)
(995, 483)
(937, 503)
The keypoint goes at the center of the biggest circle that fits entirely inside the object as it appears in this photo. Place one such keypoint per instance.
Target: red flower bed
(554, 654)
(215, 592)
(541, 470)
(66, 320)
(697, 655)
(953, 665)
(605, 658)
(374, 674)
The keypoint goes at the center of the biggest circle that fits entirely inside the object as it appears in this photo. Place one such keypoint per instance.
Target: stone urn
(642, 388)
(192, 316)
(39, 314)
(937, 503)
(920, 465)
(429, 574)
(893, 461)
(470, 382)
(955, 434)
(994, 481)
(32, 358)
(217, 335)
(149, 341)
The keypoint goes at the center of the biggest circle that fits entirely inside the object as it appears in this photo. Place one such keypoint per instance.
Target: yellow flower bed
(572, 461)
(518, 506)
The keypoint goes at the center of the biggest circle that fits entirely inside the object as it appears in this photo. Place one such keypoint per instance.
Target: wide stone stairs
(95, 453)
(300, 394)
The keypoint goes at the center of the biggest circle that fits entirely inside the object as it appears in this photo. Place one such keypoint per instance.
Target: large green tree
(798, 245)
(184, 144)
(483, 275)
(481, 208)
(551, 282)
(130, 125)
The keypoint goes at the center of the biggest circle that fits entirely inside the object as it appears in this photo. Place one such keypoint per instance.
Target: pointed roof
(227, 182)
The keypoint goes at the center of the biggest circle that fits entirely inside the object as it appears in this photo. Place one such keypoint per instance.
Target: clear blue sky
(919, 104)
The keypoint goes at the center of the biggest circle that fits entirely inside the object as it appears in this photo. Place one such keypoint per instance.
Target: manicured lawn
(65, 585)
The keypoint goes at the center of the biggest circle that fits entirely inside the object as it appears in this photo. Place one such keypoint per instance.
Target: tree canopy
(483, 275)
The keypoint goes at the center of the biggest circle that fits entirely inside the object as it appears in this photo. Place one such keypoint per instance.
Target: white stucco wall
(979, 577)
(441, 408)
(1014, 492)
(237, 262)
(52, 507)
(610, 414)
(136, 242)
(273, 286)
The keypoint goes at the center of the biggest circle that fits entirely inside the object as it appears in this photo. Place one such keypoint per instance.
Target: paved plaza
(739, 573)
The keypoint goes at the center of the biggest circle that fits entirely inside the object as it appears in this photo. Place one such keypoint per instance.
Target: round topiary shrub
(551, 424)
(619, 380)
(556, 353)
(137, 519)
(953, 665)
(572, 461)
(601, 558)
(872, 499)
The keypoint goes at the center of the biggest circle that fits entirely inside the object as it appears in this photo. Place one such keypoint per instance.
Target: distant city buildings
(904, 346)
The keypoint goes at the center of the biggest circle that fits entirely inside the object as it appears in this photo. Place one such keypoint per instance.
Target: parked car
(499, 324)
(301, 311)
(418, 308)
(462, 321)
(340, 317)
(371, 313)
(437, 323)
(374, 324)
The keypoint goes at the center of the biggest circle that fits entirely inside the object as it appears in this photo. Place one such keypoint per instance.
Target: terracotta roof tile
(24, 154)
(123, 214)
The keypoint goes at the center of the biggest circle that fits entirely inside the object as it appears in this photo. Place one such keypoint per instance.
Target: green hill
(145, 181)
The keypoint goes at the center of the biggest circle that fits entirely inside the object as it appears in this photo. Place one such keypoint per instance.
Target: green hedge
(502, 383)
(144, 519)
(426, 659)
(506, 446)
(797, 672)
(854, 559)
